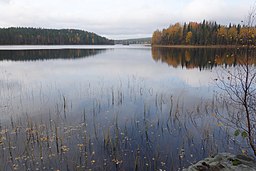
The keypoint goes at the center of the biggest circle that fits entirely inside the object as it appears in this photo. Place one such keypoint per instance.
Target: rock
(224, 162)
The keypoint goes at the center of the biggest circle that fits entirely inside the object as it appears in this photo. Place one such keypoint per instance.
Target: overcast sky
(119, 19)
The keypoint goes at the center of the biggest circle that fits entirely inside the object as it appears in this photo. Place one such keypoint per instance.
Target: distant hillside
(38, 36)
(134, 41)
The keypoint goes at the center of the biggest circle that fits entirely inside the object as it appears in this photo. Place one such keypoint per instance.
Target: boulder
(224, 162)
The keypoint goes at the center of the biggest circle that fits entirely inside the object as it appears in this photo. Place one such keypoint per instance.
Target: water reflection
(118, 111)
(202, 58)
(32, 55)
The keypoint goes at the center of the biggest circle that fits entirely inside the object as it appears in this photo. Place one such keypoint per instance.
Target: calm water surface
(110, 107)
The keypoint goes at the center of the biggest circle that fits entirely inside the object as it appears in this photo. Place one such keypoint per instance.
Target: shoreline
(199, 46)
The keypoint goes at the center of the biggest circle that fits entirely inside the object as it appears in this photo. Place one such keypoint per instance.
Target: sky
(119, 19)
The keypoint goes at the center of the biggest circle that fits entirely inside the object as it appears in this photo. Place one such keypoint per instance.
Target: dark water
(111, 108)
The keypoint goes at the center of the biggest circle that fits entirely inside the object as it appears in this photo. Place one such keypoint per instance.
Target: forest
(39, 36)
(204, 33)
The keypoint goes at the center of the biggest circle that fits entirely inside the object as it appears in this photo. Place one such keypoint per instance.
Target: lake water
(110, 107)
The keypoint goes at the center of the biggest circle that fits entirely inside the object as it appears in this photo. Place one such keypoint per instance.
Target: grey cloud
(113, 21)
(5, 1)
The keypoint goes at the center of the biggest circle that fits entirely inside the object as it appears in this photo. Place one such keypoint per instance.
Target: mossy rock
(236, 162)
(244, 158)
(224, 162)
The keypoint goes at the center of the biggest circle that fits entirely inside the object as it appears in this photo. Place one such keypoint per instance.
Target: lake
(111, 107)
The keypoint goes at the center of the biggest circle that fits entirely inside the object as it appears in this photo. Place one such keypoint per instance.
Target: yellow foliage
(232, 32)
(156, 38)
(222, 31)
(188, 37)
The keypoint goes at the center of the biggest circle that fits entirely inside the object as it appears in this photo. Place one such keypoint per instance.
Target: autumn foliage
(204, 33)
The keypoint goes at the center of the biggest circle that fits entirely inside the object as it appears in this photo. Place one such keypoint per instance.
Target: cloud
(125, 18)
(215, 10)
(5, 1)
(118, 17)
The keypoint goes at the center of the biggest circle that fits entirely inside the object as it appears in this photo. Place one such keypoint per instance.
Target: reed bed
(124, 126)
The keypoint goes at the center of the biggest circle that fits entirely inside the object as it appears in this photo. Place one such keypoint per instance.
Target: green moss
(236, 162)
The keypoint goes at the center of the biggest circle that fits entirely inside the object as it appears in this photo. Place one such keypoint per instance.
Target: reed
(121, 127)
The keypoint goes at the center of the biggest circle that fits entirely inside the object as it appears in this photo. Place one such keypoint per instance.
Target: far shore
(201, 46)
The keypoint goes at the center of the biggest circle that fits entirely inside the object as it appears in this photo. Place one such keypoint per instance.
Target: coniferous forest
(38, 36)
(204, 33)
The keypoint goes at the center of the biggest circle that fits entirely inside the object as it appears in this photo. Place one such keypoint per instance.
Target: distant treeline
(204, 33)
(38, 36)
(134, 41)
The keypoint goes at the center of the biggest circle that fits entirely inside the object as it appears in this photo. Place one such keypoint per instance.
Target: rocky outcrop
(225, 162)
